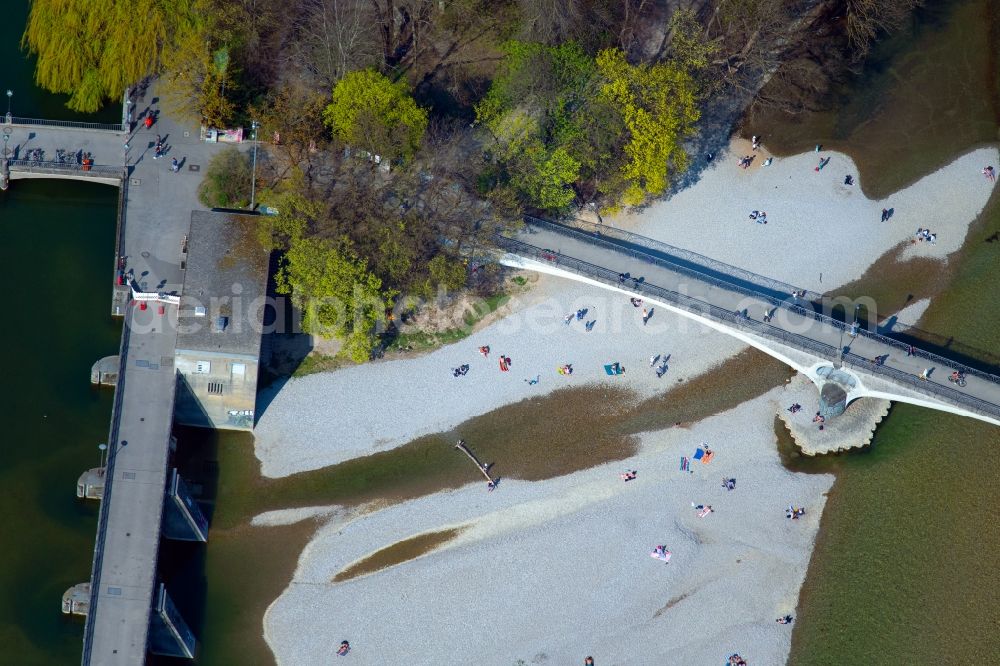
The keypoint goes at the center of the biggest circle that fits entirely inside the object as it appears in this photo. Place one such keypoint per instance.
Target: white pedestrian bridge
(845, 362)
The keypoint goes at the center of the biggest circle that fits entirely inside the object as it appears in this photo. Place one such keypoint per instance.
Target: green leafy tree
(567, 126)
(549, 83)
(658, 104)
(337, 294)
(690, 49)
(199, 68)
(94, 49)
(297, 214)
(371, 113)
(447, 272)
(536, 110)
(545, 177)
(227, 180)
(394, 255)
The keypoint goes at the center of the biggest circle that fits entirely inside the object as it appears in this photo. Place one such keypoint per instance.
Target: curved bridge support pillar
(837, 389)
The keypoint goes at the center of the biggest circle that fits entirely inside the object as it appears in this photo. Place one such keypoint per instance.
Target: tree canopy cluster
(355, 238)
(402, 134)
(570, 127)
(372, 113)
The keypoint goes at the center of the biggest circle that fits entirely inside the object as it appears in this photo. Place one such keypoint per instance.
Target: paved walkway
(104, 146)
(157, 217)
(605, 259)
(60, 151)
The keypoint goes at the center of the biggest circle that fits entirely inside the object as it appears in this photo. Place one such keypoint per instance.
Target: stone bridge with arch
(845, 359)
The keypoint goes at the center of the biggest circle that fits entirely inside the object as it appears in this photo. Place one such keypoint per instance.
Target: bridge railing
(686, 256)
(762, 329)
(63, 169)
(923, 386)
(109, 476)
(742, 276)
(684, 301)
(67, 124)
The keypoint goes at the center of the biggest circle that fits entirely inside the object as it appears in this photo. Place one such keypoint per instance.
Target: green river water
(904, 566)
(56, 258)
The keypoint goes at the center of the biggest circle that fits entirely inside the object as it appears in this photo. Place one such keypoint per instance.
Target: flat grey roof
(226, 279)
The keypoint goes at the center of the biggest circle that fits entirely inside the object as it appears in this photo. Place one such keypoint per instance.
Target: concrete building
(220, 322)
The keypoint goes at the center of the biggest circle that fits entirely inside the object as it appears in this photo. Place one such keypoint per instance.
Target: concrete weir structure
(129, 612)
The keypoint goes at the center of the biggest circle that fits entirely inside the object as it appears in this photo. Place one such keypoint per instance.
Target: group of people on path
(578, 316)
(794, 513)
(663, 366)
(158, 148)
(925, 235)
(625, 277)
(149, 117)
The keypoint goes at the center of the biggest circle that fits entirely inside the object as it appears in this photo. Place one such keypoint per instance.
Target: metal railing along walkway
(735, 320)
(698, 306)
(683, 257)
(713, 266)
(916, 384)
(64, 169)
(66, 124)
(109, 475)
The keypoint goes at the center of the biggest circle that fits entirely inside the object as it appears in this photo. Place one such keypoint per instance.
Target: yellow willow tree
(94, 49)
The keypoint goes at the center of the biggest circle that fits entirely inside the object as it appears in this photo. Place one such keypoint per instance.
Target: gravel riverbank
(560, 569)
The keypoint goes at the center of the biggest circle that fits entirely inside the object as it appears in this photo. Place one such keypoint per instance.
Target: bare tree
(867, 18)
(590, 22)
(402, 26)
(748, 33)
(334, 37)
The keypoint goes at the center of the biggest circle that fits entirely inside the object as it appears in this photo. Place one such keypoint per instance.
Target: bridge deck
(605, 258)
(156, 218)
(105, 147)
(129, 534)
